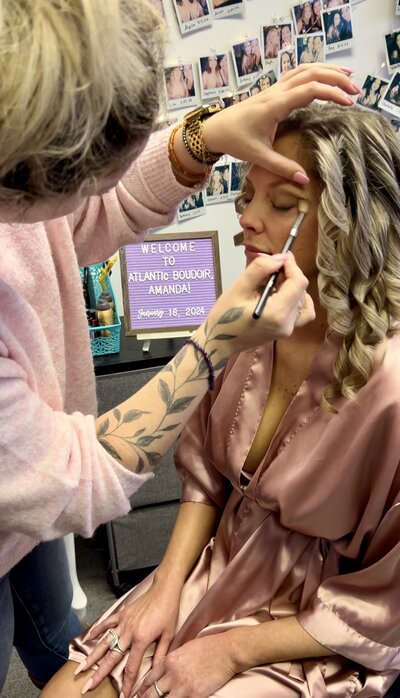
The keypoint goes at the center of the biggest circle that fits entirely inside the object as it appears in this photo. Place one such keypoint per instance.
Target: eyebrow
(276, 183)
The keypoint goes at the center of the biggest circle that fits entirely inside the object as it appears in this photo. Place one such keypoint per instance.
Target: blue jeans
(35, 612)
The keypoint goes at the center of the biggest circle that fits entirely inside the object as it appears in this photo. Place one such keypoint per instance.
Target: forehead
(290, 146)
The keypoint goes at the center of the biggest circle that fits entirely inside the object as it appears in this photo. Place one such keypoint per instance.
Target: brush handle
(269, 288)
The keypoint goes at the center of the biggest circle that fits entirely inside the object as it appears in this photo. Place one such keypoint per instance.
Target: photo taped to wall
(338, 27)
(227, 8)
(373, 89)
(179, 84)
(192, 207)
(307, 17)
(214, 75)
(192, 14)
(390, 101)
(217, 190)
(247, 60)
(310, 48)
(286, 61)
(235, 98)
(275, 37)
(392, 43)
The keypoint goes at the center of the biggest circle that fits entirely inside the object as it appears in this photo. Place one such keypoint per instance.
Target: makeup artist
(81, 175)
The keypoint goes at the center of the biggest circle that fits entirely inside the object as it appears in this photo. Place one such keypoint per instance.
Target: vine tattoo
(141, 440)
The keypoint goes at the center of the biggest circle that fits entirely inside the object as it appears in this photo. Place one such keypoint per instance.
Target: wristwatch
(192, 133)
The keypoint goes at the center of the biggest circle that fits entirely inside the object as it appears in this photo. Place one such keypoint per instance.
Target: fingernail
(350, 100)
(347, 69)
(86, 637)
(87, 687)
(80, 668)
(280, 257)
(121, 695)
(300, 178)
(356, 87)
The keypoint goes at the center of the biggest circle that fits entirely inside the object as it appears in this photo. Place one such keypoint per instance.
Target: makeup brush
(269, 288)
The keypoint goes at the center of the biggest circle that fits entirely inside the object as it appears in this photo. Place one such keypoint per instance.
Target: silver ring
(159, 691)
(114, 645)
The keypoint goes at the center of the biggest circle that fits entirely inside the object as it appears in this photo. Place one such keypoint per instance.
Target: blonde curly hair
(356, 156)
(80, 89)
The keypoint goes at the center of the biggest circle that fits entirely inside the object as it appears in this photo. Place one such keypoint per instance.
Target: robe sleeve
(201, 481)
(357, 614)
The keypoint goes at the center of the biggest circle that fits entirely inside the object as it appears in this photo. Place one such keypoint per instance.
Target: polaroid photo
(179, 86)
(235, 181)
(217, 190)
(373, 89)
(330, 4)
(390, 101)
(307, 17)
(214, 75)
(192, 207)
(159, 6)
(286, 61)
(227, 8)
(263, 82)
(192, 14)
(397, 7)
(338, 26)
(247, 60)
(310, 48)
(392, 43)
(235, 98)
(275, 37)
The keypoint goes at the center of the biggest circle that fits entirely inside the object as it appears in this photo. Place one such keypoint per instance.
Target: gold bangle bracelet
(177, 165)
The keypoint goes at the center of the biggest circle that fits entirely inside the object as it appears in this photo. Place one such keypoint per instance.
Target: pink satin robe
(325, 497)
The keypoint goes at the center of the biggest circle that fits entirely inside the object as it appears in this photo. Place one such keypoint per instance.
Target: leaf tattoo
(230, 316)
(110, 449)
(164, 391)
(103, 427)
(132, 415)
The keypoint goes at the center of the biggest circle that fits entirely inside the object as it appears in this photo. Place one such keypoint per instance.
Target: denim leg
(7, 628)
(44, 621)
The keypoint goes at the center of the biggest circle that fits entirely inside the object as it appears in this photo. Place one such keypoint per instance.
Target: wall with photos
(228, 50)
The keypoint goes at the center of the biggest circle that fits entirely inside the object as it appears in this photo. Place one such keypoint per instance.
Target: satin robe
(315, 533)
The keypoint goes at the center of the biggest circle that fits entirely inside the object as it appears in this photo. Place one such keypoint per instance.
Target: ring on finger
(114, 645)
(159, 691)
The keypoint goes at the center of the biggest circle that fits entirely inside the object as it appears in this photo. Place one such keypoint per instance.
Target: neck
(314, 332)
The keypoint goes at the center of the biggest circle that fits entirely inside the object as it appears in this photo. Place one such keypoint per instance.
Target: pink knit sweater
(54, 475)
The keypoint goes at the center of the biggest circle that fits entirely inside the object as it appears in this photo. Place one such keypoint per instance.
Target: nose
(251, 220)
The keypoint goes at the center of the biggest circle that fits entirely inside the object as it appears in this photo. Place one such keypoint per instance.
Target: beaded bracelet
(191, 176)
(211, 374)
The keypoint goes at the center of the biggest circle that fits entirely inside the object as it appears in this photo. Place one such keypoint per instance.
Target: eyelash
(243, 199)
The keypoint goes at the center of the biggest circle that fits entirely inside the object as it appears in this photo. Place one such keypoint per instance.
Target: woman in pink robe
(281, 578)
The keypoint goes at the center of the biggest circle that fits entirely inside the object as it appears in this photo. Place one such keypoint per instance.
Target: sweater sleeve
(62, 480)
(146, 197)
(357, 614)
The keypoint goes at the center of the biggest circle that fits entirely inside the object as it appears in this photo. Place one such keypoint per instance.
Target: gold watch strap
(192, 133)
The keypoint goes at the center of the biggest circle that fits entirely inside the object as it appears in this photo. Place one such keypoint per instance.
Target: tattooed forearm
(125, 429)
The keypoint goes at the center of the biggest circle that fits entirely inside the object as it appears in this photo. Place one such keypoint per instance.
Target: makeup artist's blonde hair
(356, 155)
(80, 88)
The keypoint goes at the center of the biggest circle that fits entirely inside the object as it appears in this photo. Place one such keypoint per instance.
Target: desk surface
(131, 356)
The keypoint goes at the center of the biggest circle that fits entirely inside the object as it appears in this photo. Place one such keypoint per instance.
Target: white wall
(371, 20)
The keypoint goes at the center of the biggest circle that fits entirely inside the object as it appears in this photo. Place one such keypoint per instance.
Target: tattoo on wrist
(141, 440)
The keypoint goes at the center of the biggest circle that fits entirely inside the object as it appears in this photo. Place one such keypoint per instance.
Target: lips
(252, 252)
